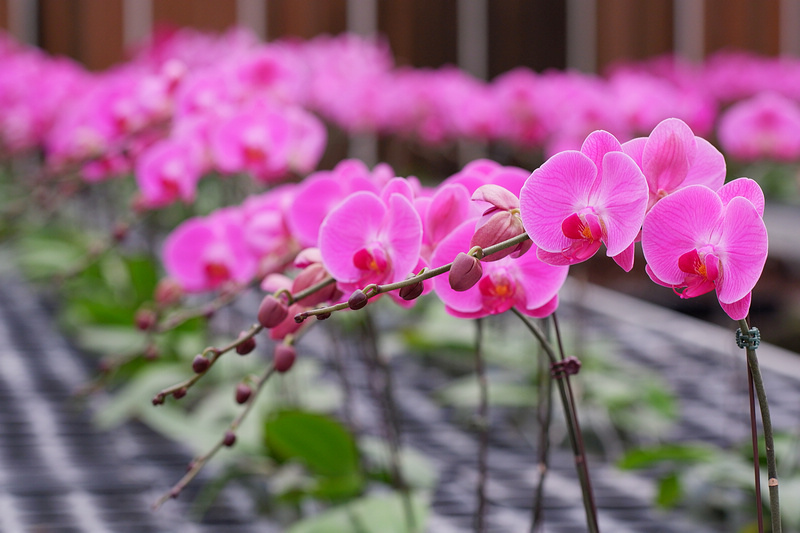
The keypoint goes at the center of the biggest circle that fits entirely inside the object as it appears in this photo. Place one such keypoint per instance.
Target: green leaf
(371, 514)
(670, 491)
(676, 453)
(321, 443)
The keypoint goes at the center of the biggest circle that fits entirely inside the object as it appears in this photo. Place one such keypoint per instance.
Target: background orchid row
(187, 104)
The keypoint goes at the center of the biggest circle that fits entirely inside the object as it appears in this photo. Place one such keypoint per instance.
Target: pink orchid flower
(764, 127)
(169, 171)
(672, 157)
(696, 241)
(367, 239)
(205, 253)
(525, 283)
(577, 200)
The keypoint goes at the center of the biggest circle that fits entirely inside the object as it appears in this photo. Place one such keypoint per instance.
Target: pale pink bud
(272, 312)
(465, 272)
(145, 319)
(168, 292)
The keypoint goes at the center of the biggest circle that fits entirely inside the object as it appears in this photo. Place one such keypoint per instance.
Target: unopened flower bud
(151, 352)
(145, 319)
(284, 357)
(230, 439)
(324, 316)
(357, 300)
(465, 272)
(499, 227)
(158, 399)
(180, 393)
(168, 292)
(246, 346)
(120, 232)
(243, 392)
(272, 311)
(412, 292)
(200, 364)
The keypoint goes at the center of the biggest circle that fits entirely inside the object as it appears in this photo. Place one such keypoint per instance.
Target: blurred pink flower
(766, 126)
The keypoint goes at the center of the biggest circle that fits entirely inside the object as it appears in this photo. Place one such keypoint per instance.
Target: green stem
(766, 422)
(483, 429)
(572, 430)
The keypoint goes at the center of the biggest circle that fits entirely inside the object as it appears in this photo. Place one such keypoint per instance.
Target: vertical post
(690, 21)
(252, 14)
(22, 20)
(789, 20)
(472, 50)
(582, 35)
(137, 21)
(362, 20)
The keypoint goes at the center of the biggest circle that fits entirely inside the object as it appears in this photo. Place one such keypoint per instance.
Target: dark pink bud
(323, 316)
(158, 399)
(151, 352)
(180, 393)
(284, 357)
(357, 300)
(200, 364)
(272, 312)
(412, 292)
(246, 346)
(145, 319)
(230, 439)
(243, 392)
(465, 272)
(120, 232)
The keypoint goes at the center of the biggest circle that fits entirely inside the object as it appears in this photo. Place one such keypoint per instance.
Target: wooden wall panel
(4, 15)
(530, 33)
(421, 33)
(743, 24)
(87, 30)
(208, 15)
(632, 29)
(305, 18)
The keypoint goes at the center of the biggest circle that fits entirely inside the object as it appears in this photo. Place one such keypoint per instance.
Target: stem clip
(750, 340)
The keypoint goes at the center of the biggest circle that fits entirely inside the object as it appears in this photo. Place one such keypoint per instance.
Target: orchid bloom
(696, 240)
(577, 200)
(525, 283)
(369, 239)
(672, 157)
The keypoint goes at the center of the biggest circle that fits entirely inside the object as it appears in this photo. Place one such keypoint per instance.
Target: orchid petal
(597, 145)
(746, 188)
(625, 258)
(621, 201)
(556, 190)
(742, 249)
(403, 233)
(669, 151)
(707, 168)
(676, 225)
(738, 310)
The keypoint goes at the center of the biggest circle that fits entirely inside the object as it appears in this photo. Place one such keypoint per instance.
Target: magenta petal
(707, 168)
(447, 209)
(538, 281)
(634, 148)
(557, 258)
(655, 278)
(677, 224)
(742, 250)
(351, 226)
(738, 310)
(746, 188)
(621, 201)
(182, 250)
(312, 203)
(598, 144)
(397, 186)
(543, 311)
(497, 196)
(625, 258)
(403, 234)
(668, 153)
(556, 190)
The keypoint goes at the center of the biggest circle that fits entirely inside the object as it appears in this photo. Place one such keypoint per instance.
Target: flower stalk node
(566, 367)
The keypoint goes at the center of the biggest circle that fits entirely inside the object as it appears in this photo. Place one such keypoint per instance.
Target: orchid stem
(483, 429)
(570, 416)
(766, 422)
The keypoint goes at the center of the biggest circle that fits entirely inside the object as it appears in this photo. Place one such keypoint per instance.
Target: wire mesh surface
(59, 474)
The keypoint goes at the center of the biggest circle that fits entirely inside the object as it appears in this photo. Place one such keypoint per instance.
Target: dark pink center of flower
(216, 273)
(371, 259)
(498, 291)
(702, 272)
(585, 230)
